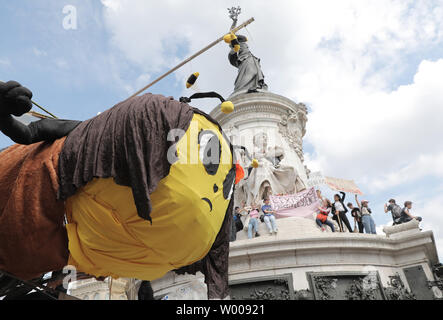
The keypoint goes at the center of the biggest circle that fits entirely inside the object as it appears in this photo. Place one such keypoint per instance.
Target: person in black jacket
(339, 210)
(356, 213)
(406, 215)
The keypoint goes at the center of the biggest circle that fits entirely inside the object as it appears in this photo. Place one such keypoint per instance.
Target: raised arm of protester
(358, 202)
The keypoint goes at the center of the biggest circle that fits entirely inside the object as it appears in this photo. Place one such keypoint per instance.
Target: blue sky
(67, 70)
(370, 74)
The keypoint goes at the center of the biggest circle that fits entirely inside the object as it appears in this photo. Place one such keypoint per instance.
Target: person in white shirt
(339, 211)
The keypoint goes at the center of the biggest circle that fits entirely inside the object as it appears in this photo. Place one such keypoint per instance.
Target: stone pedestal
(300, 250)
(303, 260)
(91, 289)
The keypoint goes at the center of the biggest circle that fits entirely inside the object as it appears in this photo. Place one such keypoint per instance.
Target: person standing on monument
(368, 222)
(270, 220)
(356, 213)
(339, 211)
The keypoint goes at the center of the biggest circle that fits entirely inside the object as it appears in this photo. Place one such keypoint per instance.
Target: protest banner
(342, 185)
(315, 179)
(303, 204)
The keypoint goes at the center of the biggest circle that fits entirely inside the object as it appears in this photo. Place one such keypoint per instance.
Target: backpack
(396, 211)
(238, 223)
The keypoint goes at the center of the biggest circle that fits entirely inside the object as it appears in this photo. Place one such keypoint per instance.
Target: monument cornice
(265, 102)
(87, 286)
(356, 247)
(258, 110)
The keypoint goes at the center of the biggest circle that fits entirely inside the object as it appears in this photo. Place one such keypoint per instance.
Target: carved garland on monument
(325, 286)
(396, 290)
(303, 295)
(437, 284)
(362, 290)
(273, 293)
(277, 289)
(347, 287)
(292, 128)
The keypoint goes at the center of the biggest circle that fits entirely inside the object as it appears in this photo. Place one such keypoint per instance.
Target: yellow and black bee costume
(146, 187)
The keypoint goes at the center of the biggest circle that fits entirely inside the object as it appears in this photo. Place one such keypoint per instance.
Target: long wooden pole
(339, 222)
(40, 107)
(244, 24)
(181, 64)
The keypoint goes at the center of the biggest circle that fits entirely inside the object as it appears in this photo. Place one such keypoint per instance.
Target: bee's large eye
(210, 151)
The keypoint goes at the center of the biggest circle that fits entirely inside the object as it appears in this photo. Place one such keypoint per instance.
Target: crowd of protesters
(253, 216)
(400, 215)
(361, 214)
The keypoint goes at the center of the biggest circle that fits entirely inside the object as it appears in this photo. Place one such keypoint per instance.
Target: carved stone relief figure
(291, 127)
(271, 176)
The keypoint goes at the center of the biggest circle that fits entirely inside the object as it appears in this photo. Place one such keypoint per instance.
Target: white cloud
(341, 60)
(424, 165)
(5, 62)
(382, 138)
(39, 53)
(140, 82)
(61, 63)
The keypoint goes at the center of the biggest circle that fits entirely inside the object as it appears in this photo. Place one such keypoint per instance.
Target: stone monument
(264, 126)
(300, 262)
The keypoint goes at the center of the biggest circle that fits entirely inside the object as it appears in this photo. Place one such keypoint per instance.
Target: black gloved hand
(14, 99)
